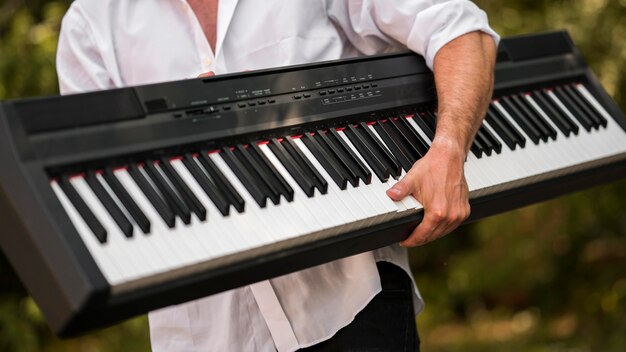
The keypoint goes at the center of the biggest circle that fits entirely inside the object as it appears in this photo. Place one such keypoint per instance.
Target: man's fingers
(207, 74)
(401, 189)
(427, 229)
(457, 217)
(437, 223)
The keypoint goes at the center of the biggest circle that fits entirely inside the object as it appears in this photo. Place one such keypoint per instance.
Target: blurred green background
(550, 277)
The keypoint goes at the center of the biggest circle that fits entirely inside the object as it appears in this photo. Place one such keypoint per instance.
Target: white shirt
(115, 43)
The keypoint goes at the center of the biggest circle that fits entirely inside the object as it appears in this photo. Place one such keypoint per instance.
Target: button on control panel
(351, 96)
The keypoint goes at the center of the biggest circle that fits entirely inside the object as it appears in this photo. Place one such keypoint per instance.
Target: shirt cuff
(445, 22)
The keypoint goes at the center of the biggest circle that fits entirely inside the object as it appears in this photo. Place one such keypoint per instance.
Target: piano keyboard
(124, 201)
(156, 216)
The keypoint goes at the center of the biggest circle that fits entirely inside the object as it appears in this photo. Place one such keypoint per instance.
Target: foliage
(28, 40)
(549, 277)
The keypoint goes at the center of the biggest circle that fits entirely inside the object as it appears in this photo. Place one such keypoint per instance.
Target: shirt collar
(225, 12)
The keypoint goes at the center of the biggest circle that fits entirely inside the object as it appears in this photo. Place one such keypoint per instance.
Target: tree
(545, 277)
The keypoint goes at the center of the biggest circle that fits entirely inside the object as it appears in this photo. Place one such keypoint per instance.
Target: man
(114, 43)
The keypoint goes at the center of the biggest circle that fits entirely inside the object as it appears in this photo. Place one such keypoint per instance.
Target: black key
(518, 112)
(345, 157)
(585, 105)
(368, 153)
(412, 135)
(127, 201)
(267, 184)
(397, 150)
(90, 219)
(328, 162)
(521, 139)
(208, 185)
(501, 130)
(431, 119)
(482, 142)
(522, 121)
(292, 167)
(409, 151)
(582, 108)
(403, 137)
(305, 164)
(346, 169)
(420, 120)
(261, 158)
(167, 193)
(109, 204)
(221, 182)
(183, 190)
(543, 126)
(557, 118)
(533, 111)
(248, 181)
(505, 130)
(362, 171)
(155, 199)
(476, 150)
(393, 165)
(573, 109)
(569, 120)
(477, 147)
(492, 142)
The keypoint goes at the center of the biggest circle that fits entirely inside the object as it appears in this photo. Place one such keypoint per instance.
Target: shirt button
(208, 61)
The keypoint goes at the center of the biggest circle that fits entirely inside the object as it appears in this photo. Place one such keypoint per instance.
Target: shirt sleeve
(423, 26)
(79, 62)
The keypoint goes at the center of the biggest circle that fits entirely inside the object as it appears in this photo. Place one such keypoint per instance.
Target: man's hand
(438, 182)
(206, 74)
(463, 71)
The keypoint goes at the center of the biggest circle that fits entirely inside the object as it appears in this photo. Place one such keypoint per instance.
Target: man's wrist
(453, 147)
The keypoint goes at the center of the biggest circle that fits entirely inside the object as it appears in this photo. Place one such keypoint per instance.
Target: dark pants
(387, 323)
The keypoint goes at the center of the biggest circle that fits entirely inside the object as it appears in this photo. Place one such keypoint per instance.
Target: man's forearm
(464, 79)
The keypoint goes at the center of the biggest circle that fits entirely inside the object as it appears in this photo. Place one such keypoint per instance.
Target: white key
(310, 206)
(375, 191)
(592, 100)
(566, 155)
(161, 235)
(417, 129)
(291, 214)
(616, 132)
(192, 234)
(563, 109)
(181, 232)
(117, 202)
(218, 230)
(533, 156)
(133, 264)
(410, 203)
(232, 241)
(99, 251)
(266, 227)
(333, 217)
(139, 240)
(342, 201)
(498, 165)
(301, 204)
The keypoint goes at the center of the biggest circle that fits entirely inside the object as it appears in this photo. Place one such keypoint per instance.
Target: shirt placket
(277, 323)
(206, 57)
